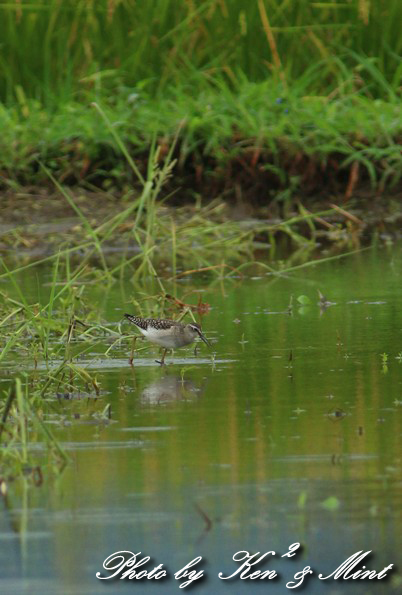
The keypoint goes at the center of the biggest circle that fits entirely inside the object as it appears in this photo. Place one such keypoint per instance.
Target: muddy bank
(250, 175)
(37, 220)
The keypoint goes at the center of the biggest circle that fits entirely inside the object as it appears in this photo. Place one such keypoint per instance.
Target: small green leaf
(301, 502)
(331, 503)
(304, 300)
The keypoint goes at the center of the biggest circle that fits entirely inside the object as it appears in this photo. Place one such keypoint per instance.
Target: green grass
(282, 80)
(196, 237)
(219, 125)
(106, 44)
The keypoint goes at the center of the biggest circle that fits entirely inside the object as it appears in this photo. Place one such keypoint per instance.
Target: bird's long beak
(203, 337)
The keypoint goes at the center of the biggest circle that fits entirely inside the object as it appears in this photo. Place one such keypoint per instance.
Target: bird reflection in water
(171, 388)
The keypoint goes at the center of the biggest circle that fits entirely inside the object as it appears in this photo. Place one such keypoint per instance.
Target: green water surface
(289, 433)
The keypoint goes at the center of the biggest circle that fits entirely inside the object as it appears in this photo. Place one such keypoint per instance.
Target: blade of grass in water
(91, 233)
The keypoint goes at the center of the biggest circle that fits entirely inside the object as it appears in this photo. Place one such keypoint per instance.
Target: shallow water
(290, 433)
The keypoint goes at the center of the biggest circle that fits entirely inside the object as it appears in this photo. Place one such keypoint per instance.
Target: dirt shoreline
(36, 219)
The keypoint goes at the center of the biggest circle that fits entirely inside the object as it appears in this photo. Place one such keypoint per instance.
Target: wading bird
(167, 333)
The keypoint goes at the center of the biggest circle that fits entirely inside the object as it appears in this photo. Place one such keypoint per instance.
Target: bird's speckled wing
(157, 323)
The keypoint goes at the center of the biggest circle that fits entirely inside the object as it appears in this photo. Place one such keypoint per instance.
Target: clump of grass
(122, 44)
(167, 241)
(193, 237)
(22, 418)
(248, 122)
(231, 134)
(233, 74)
(51, 375)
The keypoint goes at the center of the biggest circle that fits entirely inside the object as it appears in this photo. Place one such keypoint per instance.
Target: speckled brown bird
(167, 333)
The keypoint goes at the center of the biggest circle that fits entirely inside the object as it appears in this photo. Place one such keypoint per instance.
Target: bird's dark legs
(132, 350)
(163, 357)
(162, 361)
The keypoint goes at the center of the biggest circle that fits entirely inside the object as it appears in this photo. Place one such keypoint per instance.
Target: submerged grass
(33, 398)
(22, 423)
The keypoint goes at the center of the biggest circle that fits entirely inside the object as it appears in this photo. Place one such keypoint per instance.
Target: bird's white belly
(164, 338)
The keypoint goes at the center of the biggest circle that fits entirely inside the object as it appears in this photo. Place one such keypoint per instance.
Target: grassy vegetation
(266, 94)
(234, 134)
(198, 237)
(165, 43)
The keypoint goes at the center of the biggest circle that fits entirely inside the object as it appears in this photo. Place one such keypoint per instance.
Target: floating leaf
(304, 300)
(301, 502)
(331, 503)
